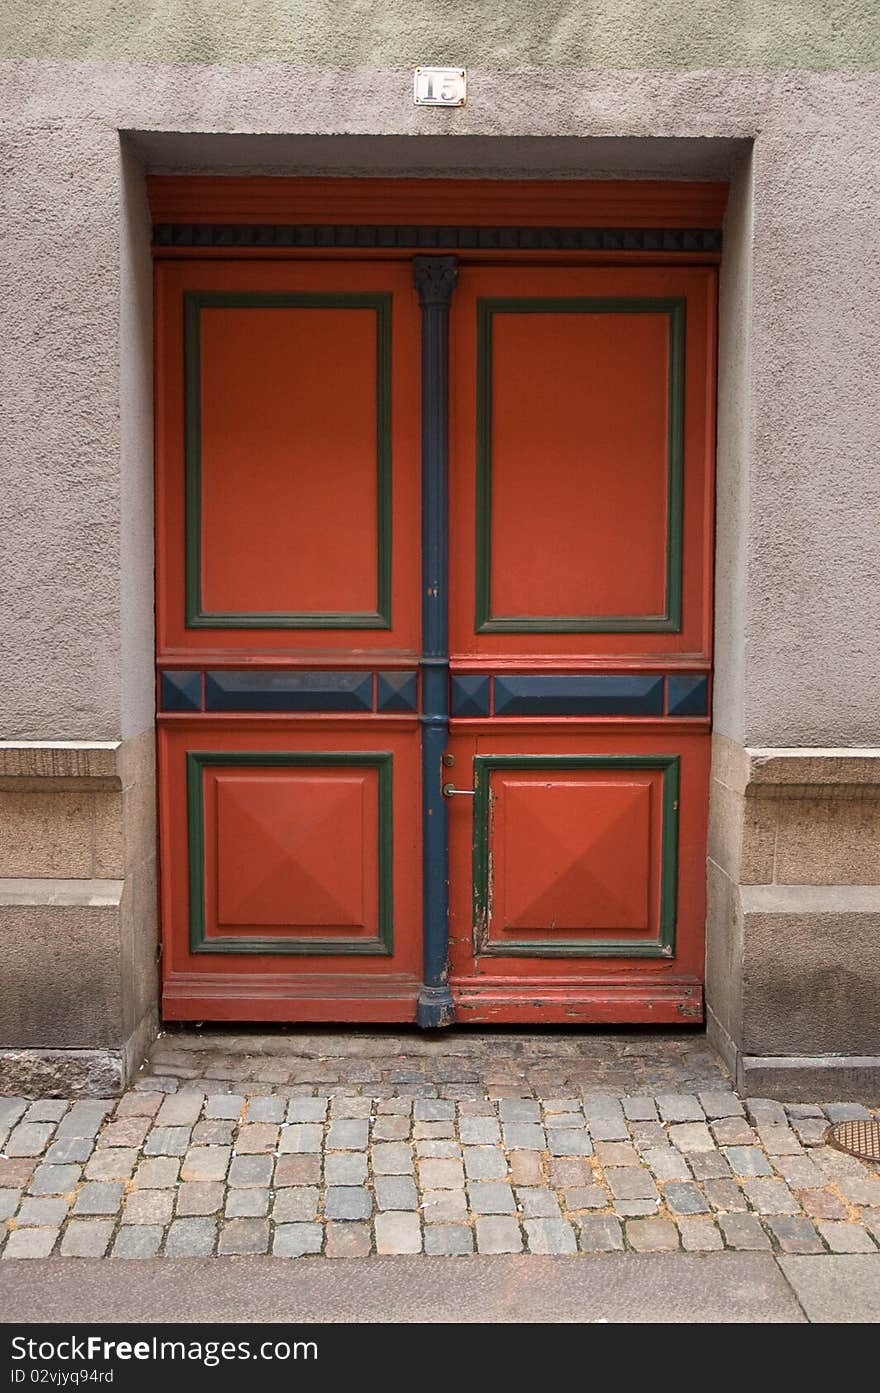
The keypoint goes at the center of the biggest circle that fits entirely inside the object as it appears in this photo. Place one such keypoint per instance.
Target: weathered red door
(288, 633)
(322, 677)
(580, 641)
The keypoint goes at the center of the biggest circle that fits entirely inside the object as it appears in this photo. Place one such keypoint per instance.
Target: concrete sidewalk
(734, 1288)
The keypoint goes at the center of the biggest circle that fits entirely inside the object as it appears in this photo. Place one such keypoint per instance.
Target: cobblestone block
(9, 1202)
(348, 1241)
(526, 1168)
(348, 1134)
(391, 1129)
(99, 1197)
(69, 1149)
(267, 1109)
(665, 1163)
(396, 1192)
(683, 1197)
(397, 1232)
(845, 1238)
(630, 1209)
(639, 1108)
(708, 1165)
(448, 1240)
(822, 1204)
(29, 1138)
(39, 1212)
(247, 1171)
(348, 1202)
(247, 1204)
(498, 1234)
(167, 1141)
(524, 1136)
(128, 1131)
(550, 1236)
(845, 1112)
(748, 1161)
(771, 1197)
(54, 1180)
(443, 1206)
(180, 1110)
(299, 1204)
(691, 1136)
(799, 1172)
(139, 1241)
(191, 1238)
(651, 1235)
(441, 1175)
(743, 1231)
(699, 1235)
(491, 1197)
(301, 1137)
(244, 1236)
(206, 1163)
(600, 1233)
(345, 1168)
(537, 1203)
(733, 1131)
(86, 1238)
(148, 1207)
(646, 1135)
(605, 1118)
(680, 1107)
(857, 1189)
(156, 1174)
(112, 1163)
(795, 1234)
(139, 1104)
(485, 1163)
(298, 1170)
(584, 1197)
(396, 1158)
(30, 1243)
(519, 1110)
(433, 1110)
(439, 1150)
(46, 1110)
(719, 1103)
(297, 1240)
(480, 1131)
(200, 1197)
(779, 1141)
(256, 1138)
(725, 1195)
(227, 1106)
(307, 1110)
(810, 1131)
(570, 1170)
(630, 1183)
(566, 1142)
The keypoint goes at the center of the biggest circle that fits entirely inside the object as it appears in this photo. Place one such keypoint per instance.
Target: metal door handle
(450, 791)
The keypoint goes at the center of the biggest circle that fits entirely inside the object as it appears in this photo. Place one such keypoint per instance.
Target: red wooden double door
(292, 673)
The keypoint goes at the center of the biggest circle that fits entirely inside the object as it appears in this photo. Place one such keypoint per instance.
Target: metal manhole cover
(861, 1138)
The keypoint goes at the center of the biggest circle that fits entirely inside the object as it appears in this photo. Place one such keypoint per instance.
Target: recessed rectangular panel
(289, 691)
(579, 437)
(575, 855)
(604, 694)
(687, 694)
(288, 460)
(290, 852)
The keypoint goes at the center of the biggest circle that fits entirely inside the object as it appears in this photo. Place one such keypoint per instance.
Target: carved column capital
(434, 278)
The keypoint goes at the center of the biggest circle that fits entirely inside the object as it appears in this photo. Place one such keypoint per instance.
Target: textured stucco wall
(799, 607)
(813, 34)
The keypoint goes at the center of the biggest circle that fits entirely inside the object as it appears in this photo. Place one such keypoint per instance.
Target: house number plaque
(440, 86)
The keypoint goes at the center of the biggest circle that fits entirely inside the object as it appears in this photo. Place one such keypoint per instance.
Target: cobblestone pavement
(346, 1145)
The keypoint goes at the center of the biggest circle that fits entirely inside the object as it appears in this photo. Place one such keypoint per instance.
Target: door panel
(582, 425)
(580, 640)
(284, 393)
(288, 637)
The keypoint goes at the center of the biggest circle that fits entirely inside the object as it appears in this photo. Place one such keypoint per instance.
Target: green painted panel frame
(661, 947)
(198, 618)
(198, 760)
(670, 620)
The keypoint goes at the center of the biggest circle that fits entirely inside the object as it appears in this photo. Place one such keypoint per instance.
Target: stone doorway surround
(794, 918)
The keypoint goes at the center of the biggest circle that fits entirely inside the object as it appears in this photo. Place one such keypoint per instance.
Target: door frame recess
(439, 224)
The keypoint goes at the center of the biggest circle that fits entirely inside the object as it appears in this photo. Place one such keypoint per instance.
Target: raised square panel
(290, 852)
(287, 460)
(295, 850)
(580, 459)
(575, 855)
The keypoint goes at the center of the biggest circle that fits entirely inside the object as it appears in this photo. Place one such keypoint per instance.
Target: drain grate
(861, 1138)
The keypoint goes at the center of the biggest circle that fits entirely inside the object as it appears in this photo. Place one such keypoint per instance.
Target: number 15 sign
(440, 86)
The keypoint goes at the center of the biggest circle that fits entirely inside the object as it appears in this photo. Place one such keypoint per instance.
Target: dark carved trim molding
(458, 238)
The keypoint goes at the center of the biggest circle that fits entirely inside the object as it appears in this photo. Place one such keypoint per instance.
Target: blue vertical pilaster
(435, 278)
